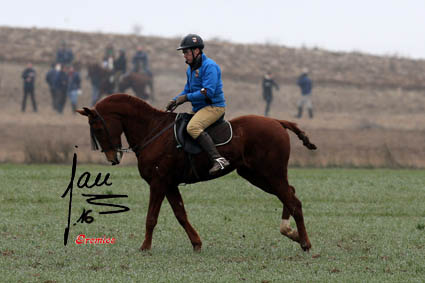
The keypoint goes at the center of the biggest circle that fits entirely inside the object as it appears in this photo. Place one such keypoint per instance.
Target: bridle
(136, 149)
(95, 142)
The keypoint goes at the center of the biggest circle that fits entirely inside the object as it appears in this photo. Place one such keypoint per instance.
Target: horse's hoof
(144, 248)
(197, 248)
(306, 246)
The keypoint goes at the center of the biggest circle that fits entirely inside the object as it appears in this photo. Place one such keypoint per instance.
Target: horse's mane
(132, 103)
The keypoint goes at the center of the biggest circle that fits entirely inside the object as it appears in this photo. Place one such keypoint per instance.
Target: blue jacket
(305, 84)
(207, 76)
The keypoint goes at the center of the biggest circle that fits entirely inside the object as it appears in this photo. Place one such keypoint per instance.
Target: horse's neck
(142, 122)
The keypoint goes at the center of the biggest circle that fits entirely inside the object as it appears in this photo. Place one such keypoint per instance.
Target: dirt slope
(369, 110)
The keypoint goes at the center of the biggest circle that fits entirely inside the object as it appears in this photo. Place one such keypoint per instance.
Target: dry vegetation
(369, 109)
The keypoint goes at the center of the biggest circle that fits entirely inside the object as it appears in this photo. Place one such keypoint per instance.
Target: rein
(138, 148)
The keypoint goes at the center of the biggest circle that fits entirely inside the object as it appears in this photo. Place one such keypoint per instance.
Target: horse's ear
(85, 111)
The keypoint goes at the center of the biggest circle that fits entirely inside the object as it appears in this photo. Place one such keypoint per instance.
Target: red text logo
(83, 240)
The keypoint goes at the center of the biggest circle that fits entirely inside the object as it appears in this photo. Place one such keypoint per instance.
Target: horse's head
(105, 131)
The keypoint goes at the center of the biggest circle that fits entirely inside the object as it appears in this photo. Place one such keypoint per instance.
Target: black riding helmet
(191, 41)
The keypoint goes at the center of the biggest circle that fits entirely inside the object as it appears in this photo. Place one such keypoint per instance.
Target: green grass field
(364, 225)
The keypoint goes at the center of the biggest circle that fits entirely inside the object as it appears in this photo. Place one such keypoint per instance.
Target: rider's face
(188, 55)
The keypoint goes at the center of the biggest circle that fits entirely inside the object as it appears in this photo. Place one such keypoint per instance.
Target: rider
(64, 55)
(141, 62)
(120, 67)
(109, 57)
(204, 89)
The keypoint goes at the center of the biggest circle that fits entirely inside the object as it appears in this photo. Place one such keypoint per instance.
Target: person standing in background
(96, 81)
(74, 87)
(28, 77)
(306, 85)
(61, 87)
(268, 84)
(64, 55)
(50, 79)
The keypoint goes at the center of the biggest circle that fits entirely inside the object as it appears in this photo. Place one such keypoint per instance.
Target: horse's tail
(300, 134)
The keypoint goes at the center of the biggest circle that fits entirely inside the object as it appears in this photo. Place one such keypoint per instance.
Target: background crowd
(64, 79)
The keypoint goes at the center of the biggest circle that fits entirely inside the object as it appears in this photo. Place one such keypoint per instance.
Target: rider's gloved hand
(181, 99)
(171, 105)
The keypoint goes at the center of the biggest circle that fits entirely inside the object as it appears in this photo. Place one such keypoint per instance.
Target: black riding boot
(208, 145)
(300, 112)
(310, 113)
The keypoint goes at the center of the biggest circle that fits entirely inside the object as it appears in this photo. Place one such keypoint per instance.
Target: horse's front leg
(176, 202)
(157, 194)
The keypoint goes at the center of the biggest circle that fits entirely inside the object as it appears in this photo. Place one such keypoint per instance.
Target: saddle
(220, 132)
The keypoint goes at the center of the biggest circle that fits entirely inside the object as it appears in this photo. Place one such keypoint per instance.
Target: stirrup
(222, 162)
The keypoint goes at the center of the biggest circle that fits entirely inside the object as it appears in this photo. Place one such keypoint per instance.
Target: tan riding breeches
(203, 119)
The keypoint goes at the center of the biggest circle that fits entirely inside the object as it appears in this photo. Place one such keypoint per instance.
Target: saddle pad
(220, 132)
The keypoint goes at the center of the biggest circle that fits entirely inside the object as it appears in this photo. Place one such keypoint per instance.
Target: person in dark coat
(96, 82)
(51, 79)
(141, 62)
(120, 64)
(109, 57)
(28, 77)
(306, 85)
(74, 87)
(64, 55)
(268, 84)
(61, 88)
(120, 67)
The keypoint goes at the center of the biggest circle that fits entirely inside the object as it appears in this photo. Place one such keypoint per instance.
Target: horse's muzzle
(114, 157)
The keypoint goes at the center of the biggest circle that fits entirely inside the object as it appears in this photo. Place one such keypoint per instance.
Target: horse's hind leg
(291, 204)
(174, 198)
(285, 227)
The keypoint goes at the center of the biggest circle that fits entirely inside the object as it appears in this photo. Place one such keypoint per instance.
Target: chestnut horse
(259, 151)
(137, 82)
